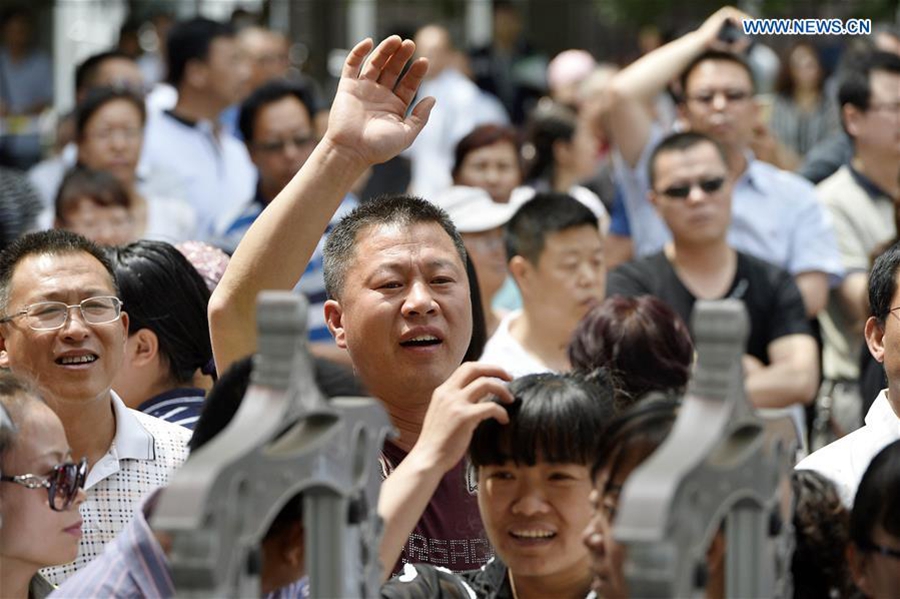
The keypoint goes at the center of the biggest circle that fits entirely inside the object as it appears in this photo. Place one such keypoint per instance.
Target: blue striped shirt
(178, 406)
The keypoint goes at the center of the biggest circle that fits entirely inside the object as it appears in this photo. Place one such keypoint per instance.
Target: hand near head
(368, 116)
(457, 407)
(709, 30)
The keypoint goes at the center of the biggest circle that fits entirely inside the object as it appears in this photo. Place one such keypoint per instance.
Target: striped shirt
(178, 406)
(134, 565)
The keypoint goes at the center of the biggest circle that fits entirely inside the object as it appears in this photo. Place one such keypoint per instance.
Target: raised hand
(709, 30)
(369, 114)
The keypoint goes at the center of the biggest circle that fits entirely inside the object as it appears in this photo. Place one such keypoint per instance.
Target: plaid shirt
(142, 457)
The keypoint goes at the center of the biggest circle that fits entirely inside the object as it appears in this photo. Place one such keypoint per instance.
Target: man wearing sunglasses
(775, 215)
(63, 329)
(692, 194)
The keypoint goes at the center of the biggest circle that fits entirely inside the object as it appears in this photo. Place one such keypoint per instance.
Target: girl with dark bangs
(533, 480)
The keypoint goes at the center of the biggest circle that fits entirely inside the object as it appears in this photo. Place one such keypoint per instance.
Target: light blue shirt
(775, 216)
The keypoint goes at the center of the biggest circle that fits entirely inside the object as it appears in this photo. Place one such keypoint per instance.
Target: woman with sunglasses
(40, 491)
(532, 478)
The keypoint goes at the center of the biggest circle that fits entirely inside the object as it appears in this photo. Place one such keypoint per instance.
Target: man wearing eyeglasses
(692, 193)
(63, 329)
(276, 123)
(775, 215)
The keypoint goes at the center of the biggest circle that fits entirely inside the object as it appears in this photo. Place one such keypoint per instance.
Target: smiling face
(33, 535)
(78, 362)
(534, 516)
(404, 312)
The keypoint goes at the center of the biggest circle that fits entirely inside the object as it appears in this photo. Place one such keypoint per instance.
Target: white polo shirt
(846, 460)
(142, 457)
(215, 169)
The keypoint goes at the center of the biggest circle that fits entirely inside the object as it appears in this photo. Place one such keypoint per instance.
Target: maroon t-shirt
(450, 532)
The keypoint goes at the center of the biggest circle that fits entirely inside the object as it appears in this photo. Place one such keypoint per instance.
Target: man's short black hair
(679, 142)
(55, 242)
(856, 85)
(555, 418)
(883, 283)
(269, 93)
(716, 55)
(403, 210)
(190, 40)
(547, 213)
(86, 72)
(99, 97)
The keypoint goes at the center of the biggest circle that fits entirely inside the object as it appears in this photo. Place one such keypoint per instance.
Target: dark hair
(680, 142)
(100, 187)
(99, 97)
(641, 341)
(856, 84)
(555, 418)
(87, 71)
(404, 210)
(821, 531)
(785, 84)
(55, 242)
(269, 93)
(549, 122)
(876, 505)
(716, 55)
(190, 40)
(481, 137)
(16, 11)
(635, 434)
(479, 322)
(883, 283)
(163, 292)
(547, 213)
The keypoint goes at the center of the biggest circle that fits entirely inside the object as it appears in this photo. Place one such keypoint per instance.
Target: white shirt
(845, 461)
(504, 350)
(143, 455)
(215, 169)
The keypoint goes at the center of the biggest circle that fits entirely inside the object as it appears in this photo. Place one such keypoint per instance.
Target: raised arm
(627, 114)
(368, 125)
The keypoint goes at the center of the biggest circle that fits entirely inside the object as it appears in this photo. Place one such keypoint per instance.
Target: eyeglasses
(683, 191)
(62, 484)
(49, 316)
(299, 141)
(870, 547)
(732, 96)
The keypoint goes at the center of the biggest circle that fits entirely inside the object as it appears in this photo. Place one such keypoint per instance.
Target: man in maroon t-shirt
(400, 306)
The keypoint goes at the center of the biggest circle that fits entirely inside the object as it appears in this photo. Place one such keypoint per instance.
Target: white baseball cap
(472, 210)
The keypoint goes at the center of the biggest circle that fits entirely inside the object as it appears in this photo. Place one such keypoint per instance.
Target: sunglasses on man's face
(683, 191)
(62, 483)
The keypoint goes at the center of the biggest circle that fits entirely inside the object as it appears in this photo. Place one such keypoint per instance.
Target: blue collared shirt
(134, 565)
(775, 216)
(179, 406)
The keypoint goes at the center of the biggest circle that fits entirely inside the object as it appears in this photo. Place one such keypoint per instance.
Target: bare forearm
(277, 247)
(650, 74)
(404, 496)
(813, 288)
(782, 385)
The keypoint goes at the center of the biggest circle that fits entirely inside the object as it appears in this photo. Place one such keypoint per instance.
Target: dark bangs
(555, 418)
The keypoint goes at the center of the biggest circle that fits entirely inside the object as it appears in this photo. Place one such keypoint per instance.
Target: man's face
(877, 130)
(719, 102)
(283, 138)
(534, 517)
(77, 362)
(227, 71)
(404, 312)
(705, 214)
(267, 53)
(569, 278)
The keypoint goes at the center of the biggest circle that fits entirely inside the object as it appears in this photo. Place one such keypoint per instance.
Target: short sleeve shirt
(773, 302)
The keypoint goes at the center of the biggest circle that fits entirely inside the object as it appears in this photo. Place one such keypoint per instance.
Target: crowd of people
(520, 302)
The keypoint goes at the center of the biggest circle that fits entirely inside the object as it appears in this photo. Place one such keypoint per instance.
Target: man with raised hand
(399, 303)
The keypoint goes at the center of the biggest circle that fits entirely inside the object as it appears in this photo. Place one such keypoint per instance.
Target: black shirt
(772, 299)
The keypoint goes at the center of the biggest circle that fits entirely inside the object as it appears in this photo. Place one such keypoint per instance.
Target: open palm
(368, 116)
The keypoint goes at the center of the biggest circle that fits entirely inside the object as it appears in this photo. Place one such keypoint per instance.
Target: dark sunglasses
(683, 191)
(62, 483)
